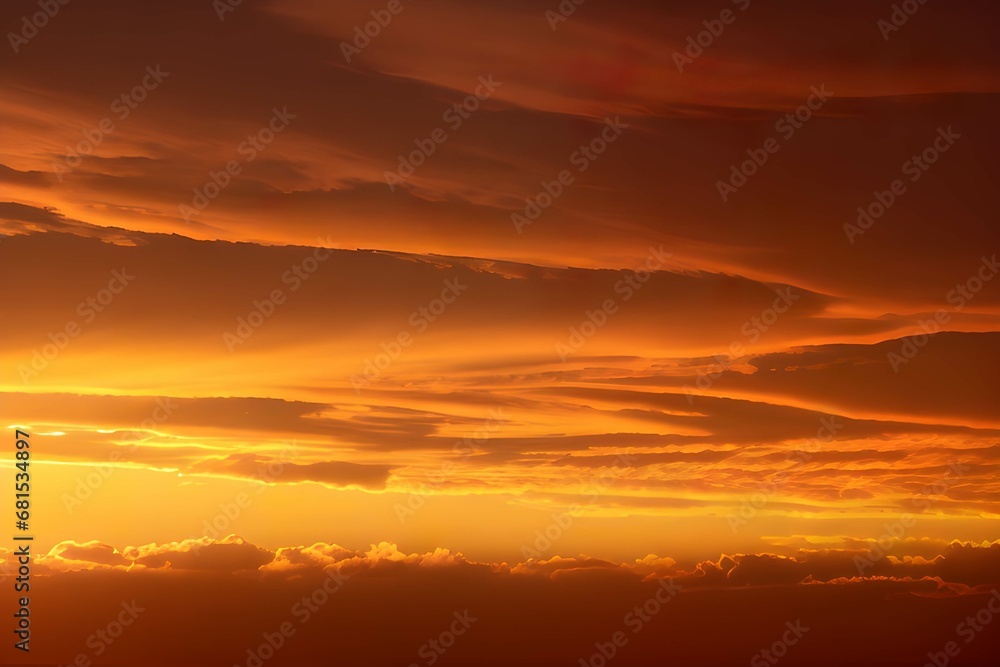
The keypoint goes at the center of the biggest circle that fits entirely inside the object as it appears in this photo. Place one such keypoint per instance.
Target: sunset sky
(507, 306)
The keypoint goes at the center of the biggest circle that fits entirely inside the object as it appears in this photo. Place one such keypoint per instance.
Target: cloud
(230, 554)
(754, 593)
(957, 562)
(686, 130)
(337, 473)
(23, 219)
(71, 556)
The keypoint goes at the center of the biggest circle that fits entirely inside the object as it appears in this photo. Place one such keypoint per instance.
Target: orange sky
(221, 314)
